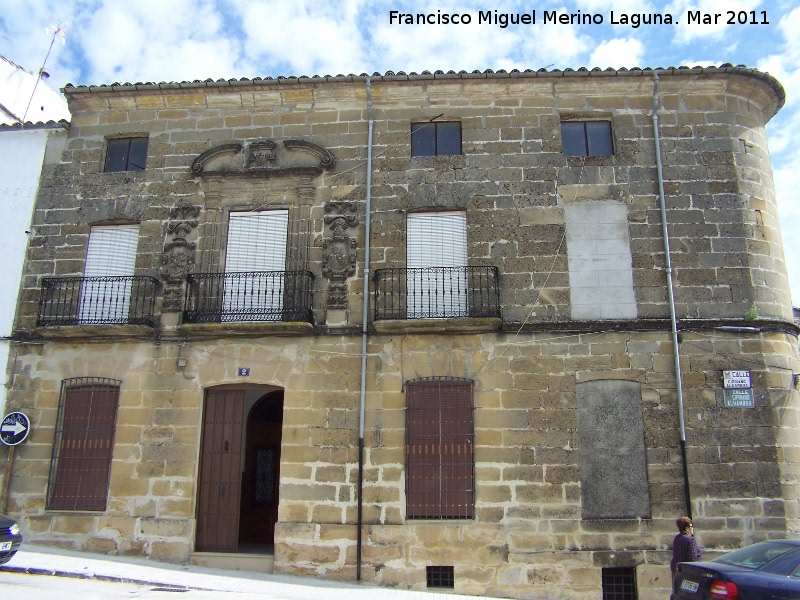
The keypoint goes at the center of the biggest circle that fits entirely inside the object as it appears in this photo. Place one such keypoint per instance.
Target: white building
(23, 151)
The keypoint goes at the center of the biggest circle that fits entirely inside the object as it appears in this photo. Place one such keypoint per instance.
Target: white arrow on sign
(16, 428)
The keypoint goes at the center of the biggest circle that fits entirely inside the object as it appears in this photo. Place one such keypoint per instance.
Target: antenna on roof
(59, 32)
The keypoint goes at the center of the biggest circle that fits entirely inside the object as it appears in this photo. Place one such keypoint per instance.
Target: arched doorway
(237, 505)
(261, 475)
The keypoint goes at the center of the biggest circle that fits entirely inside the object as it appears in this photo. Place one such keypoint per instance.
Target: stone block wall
(528, 532)
(529, 537)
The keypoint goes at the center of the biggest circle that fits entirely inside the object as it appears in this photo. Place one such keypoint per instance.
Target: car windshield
(757, 555)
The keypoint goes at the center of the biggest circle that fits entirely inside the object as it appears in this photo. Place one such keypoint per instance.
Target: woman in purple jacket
(684, 548)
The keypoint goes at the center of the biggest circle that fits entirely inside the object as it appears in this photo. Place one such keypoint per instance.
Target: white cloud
(311, 38)
(616, 53)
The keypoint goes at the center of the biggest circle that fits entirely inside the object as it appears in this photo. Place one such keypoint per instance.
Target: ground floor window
(619, 583)
(439, 457)
(83, 445)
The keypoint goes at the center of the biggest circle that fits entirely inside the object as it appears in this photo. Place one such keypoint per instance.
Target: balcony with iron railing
(106, 300)
(251, 297)
(469, 295)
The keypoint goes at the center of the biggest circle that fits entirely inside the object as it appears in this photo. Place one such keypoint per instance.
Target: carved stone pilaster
(306, 190)
(178, 257)
(339, 251)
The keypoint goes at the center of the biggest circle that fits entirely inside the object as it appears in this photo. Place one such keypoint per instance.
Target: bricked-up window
(587, 138)
(436, 139)
(439, 441)
(126, 154)
(83, 445)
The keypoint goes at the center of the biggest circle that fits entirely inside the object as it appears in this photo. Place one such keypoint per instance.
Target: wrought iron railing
(252, 296)
(437, 292)
(108, 300)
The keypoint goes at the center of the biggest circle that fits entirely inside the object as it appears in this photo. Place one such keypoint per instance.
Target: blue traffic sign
(14, 428)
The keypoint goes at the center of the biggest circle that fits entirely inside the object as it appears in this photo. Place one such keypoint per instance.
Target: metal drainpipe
(364, 333)
(673, 320)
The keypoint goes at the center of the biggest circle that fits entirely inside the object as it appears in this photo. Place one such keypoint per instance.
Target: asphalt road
(48, 587)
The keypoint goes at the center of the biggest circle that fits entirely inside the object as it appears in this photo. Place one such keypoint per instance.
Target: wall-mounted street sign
(736, 379)
(738, 398)
(14, 428)
(244, 371)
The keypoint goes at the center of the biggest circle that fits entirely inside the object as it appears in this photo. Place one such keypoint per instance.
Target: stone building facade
(191, 347)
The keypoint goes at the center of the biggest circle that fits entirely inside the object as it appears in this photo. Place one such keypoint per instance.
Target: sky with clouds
(111, 41)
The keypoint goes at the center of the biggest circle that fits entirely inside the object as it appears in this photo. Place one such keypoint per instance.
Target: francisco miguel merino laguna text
(553, 17)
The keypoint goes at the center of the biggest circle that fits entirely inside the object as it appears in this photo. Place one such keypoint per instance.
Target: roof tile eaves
(439, 75)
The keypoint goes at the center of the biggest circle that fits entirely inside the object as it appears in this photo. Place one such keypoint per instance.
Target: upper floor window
(126, 154)
(108, 274)
(436, 139)
(587, 138)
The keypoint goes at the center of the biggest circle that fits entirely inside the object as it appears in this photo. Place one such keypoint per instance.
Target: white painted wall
(22, 153)
(22, 90)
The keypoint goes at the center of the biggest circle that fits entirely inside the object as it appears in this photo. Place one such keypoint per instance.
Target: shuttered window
(111, 252)
(256, 244)
(83, 445)
(439, 456)
(257, 241)
(435, 243)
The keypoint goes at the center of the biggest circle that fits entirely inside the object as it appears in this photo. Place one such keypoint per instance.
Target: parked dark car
(10, 538)
(764, 571)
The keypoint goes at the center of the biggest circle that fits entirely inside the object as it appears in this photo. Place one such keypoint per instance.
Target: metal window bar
(108, 300)
(440, 473)
(438, 576)
(251, 296)
(437, 293)
(84, 443)
(619, 583)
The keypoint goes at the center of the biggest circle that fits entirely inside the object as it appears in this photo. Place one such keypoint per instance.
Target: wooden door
(220, 471)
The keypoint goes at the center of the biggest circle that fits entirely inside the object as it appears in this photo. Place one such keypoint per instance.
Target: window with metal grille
(440, 577)
(587, 138)
(126, 154)
(84, 443)
(436, 139)
(619, 583)
(439, 456)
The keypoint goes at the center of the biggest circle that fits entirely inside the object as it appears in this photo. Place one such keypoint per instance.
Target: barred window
(83, 445)
(439, 457)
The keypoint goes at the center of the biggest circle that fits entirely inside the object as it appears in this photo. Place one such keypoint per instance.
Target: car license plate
(689, 586)
(5, 546)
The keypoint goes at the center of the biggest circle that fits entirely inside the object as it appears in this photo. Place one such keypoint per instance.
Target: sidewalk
(43, 560)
